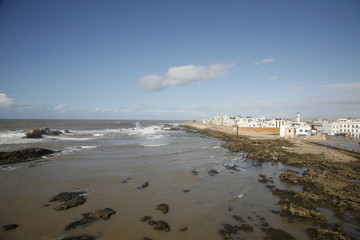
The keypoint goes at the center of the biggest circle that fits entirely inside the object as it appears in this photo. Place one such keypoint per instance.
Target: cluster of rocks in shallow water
(74, 199)
(39, 132)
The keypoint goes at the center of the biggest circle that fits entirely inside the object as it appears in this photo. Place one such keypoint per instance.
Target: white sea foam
(16, 137)
(69, 150)
(156, 145)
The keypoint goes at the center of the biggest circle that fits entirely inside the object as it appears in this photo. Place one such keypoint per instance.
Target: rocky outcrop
(39, 132)
(91, 217)
(24, 155)
(160, 225)
(69, 199)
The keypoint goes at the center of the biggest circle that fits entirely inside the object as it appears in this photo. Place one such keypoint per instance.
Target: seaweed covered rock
(164, 208)
(160, 225)
(24, 155)
(69, 199)
(91, 217)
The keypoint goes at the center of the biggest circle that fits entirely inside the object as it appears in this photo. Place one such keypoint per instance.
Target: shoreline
(331, 181)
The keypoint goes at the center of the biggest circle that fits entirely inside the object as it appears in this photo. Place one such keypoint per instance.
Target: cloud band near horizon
(183, 75)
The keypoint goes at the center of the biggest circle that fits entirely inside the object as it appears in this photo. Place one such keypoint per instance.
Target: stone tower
(297, 118)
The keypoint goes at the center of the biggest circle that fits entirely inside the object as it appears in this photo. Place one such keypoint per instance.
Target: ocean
(204, 184)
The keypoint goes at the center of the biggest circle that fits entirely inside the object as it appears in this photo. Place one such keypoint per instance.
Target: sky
(179, 60)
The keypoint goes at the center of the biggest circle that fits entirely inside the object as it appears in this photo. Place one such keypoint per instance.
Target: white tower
(298, 118)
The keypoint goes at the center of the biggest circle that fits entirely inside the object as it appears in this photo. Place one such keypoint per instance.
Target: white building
(331, 128)
(345, 127)
(296, 128)
(350, 127)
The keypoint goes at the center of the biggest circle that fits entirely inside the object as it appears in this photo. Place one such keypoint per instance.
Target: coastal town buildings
(289, 129)
(247, 121)
(343, 127)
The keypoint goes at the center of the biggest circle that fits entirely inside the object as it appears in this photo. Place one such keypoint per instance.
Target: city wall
(233, 129)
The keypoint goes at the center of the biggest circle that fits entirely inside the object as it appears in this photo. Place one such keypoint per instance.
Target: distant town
(346, 127)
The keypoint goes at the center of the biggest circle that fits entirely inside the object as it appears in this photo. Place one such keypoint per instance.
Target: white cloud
(5, 101)
(183, 75)
(344, 88)
(61, 108)
(294, 87)
(264, 61)
(273, 78)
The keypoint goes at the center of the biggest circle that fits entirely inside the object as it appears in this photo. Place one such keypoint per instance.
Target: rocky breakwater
(326, 183)
(25, 155)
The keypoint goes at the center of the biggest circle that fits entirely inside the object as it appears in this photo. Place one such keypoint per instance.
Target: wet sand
(258, 192)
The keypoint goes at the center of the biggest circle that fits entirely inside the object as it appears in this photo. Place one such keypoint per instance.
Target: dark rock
(54, 132)
(24, 155)
(265, 179)
(9, 227)
(195, 172)
(232, 168)
(71, 203)
(164, 208)
(326, 231)
(186, 190)
(70, 199)
(160, 225)
(230, 229)
(277, 234)
(213, 172)
(38, 133)
(145, 238)
(91, 217)
(238, 218)
(183, 229)
(145, 185)
(35, 133)
(224, 234)
(66, 196)
(146, 218)
(246, 228)
(81, 237)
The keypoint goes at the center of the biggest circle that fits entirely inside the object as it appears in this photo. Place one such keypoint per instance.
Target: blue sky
(179, 59)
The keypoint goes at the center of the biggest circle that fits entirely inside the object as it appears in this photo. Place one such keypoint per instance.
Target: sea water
(110, 160)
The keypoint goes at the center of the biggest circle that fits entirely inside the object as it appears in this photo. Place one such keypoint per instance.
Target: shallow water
(111, 160)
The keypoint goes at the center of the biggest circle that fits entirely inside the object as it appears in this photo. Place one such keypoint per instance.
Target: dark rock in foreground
(71, 203)
(9, 227)
(146, 218)
(145, 185)
(160, 225)
(69, 199)
(325, 232)
(164, 208)
(213, 172)
(66, 196)
(195, 172)
(81, 237)
(24, 155)
(91, 217)
(277, 234)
